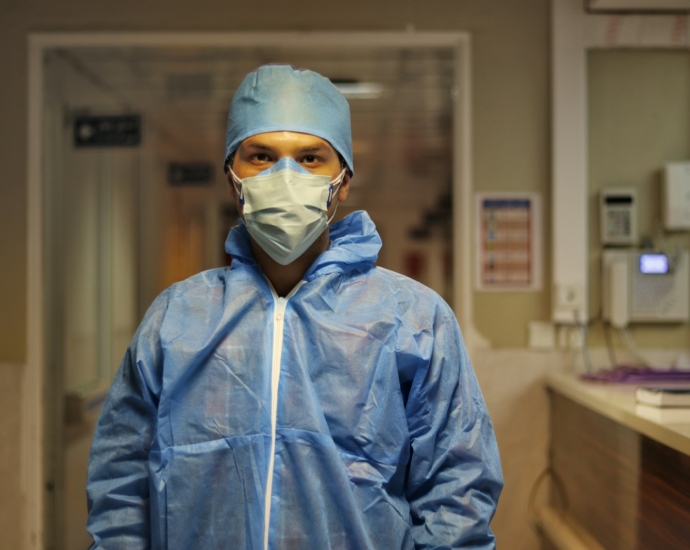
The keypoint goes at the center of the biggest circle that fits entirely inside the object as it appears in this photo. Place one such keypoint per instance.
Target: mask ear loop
(235, 182)
(332, 190)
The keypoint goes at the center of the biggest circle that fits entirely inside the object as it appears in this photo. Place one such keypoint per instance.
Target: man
(302, 398)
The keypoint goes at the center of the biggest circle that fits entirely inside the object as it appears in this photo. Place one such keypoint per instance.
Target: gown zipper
(278, 326)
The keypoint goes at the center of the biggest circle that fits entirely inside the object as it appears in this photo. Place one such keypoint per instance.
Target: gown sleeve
(454, 477)
(118, 482)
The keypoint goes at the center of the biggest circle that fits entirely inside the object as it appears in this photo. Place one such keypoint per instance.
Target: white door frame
(32, 448)
(574, 33)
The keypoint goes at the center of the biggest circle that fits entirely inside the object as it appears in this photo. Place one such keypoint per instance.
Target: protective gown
(344, 416)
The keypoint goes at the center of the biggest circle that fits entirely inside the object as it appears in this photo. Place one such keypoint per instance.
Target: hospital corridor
(244, 237)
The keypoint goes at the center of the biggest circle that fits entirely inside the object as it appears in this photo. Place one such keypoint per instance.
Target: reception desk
(622, 478)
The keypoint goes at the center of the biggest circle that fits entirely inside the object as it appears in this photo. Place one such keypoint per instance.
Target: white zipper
(278, 325)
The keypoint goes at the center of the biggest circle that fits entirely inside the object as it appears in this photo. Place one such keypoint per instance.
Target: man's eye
(261, 157)
(310, 159)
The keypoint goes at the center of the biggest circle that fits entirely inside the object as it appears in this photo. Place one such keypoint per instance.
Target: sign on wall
(190, 173)
(107, 131)
(509, 251)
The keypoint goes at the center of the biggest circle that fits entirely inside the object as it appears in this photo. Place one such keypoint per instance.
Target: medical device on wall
(675, 196)
(644, 286)
(618, 210)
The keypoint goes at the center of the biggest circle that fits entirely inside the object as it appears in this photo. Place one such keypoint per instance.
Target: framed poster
(509, 241)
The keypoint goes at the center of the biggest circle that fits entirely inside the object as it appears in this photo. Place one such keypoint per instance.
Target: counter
(623, 479)
(617, 402)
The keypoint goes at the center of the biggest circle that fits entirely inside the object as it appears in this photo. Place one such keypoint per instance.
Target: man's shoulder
(207, 287)
(189, 305)
(405, 290)
(399, 282)
(206, 279)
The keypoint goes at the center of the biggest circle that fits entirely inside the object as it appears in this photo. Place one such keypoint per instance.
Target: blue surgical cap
(282, 98)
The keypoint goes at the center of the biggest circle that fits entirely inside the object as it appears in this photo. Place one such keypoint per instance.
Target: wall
(510, 87)
(10, 490)
(511, 113)
(639, 109)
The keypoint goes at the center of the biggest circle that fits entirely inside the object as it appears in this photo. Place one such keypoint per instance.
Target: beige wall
(10, 499)
(511, 114)
(639, 118)
(510, 84)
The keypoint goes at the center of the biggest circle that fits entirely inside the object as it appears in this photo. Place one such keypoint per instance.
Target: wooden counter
(617, 402)
(624, 478)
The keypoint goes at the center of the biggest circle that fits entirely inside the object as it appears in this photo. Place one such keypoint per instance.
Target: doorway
(117, 222)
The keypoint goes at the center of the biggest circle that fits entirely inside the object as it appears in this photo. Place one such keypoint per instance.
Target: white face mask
(285, 207)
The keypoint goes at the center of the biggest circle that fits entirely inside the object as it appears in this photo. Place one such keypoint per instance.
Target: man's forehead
(293, 140)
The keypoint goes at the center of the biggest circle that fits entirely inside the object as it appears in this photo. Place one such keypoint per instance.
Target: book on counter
(668, 396)
(664, 415)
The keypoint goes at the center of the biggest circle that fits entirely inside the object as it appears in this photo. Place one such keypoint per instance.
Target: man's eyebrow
(259, 146)
(309, 149)
(314, 149)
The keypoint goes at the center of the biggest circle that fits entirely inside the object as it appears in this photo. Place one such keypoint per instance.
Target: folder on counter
(668, 396)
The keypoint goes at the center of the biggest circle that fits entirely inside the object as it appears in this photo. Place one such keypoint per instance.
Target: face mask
(285, 207)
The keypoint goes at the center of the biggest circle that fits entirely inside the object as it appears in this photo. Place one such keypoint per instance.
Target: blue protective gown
(350, 407)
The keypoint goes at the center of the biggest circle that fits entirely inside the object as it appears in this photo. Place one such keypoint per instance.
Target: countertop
(617, 402)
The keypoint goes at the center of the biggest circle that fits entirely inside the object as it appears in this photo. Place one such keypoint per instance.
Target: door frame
(32, 398)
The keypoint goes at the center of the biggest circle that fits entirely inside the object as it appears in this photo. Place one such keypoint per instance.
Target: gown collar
(355, 245)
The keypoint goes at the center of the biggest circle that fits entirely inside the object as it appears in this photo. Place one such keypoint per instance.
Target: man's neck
(285, 277)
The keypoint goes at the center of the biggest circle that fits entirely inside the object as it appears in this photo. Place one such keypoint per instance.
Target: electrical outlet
(569, 337)
(569, 295)
(542, 335)
(563, 337)
(575, 338)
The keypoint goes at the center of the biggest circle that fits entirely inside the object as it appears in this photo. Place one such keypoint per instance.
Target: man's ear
(228, 178)
(344, 187)
(233, 193)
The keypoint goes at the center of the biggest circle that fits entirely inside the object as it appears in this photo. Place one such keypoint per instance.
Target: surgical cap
(282, 98)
